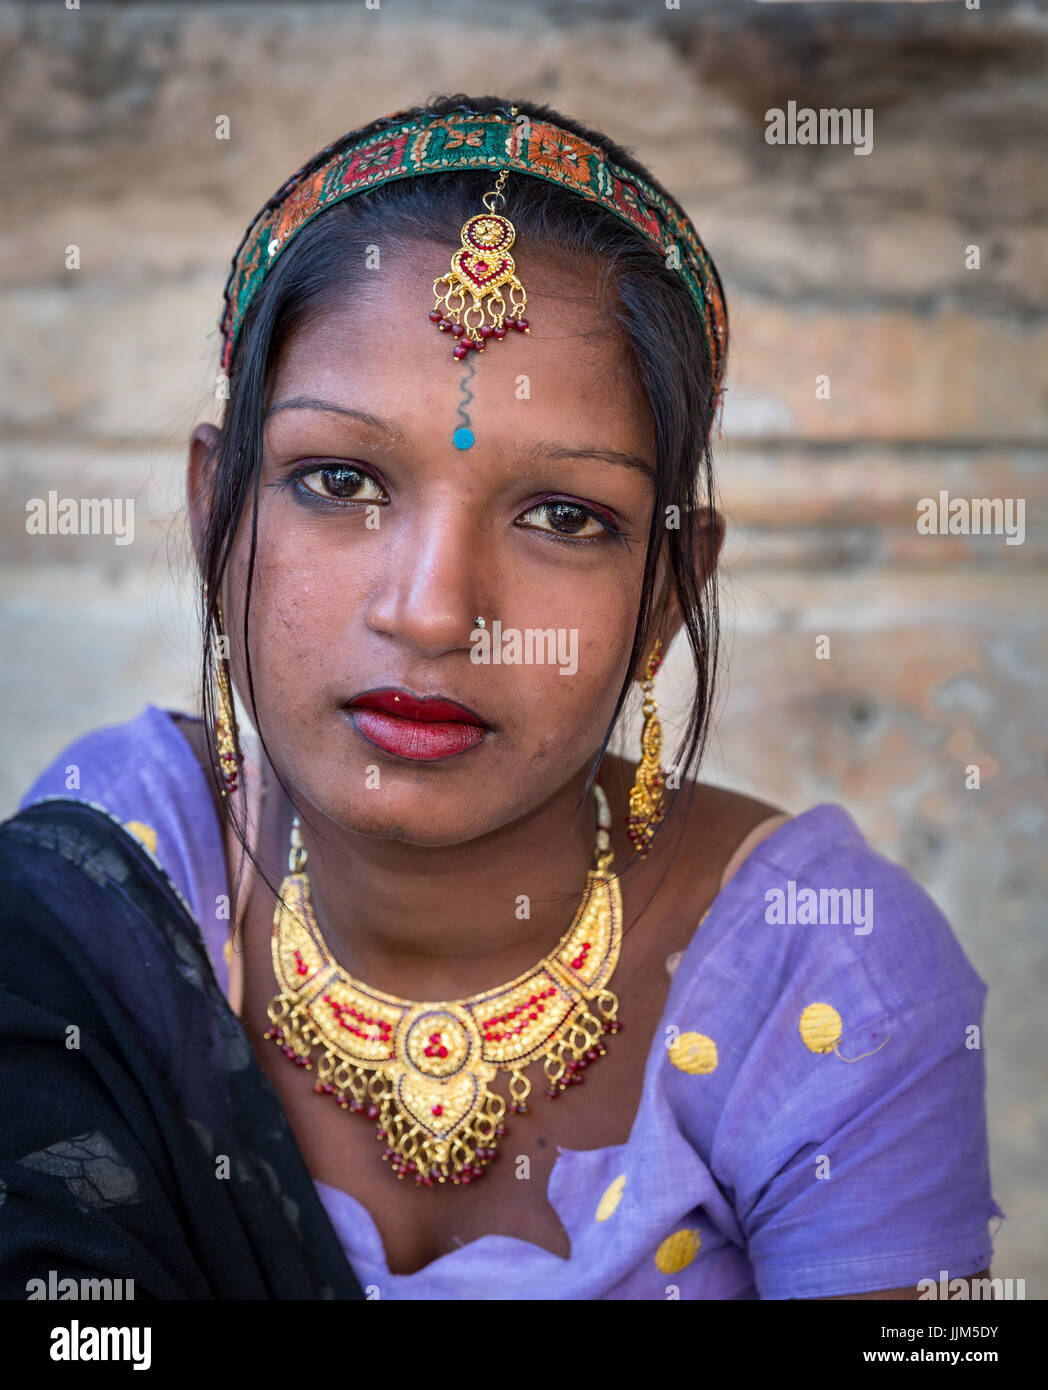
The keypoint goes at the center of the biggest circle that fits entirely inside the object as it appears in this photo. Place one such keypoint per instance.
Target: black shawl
(128, 1088)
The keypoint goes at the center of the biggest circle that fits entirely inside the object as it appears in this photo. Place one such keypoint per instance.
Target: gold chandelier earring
(230, 757)
(646, 794)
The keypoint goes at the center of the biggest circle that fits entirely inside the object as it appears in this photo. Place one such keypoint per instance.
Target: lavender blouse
(813, 1113)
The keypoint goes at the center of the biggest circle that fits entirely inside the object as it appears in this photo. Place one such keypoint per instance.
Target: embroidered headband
(403, 145)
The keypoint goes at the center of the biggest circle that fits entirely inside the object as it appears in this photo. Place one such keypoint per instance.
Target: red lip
(418, 728)
(426, 709)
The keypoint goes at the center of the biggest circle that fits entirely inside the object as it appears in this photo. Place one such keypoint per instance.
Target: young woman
(422, 993)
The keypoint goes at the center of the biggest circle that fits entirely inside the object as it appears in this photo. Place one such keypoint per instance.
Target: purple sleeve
(842, 1110)
(888, 1179)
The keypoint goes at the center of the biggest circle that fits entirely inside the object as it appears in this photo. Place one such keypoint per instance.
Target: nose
(433, 569)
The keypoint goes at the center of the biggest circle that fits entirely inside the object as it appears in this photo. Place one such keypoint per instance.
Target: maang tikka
(646, 794)
(481, 268)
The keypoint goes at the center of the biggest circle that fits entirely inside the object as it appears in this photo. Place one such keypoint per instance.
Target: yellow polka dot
(694, 1053)
(145, 833)
(820, 1027)
(677, 1251)
(611, 1198)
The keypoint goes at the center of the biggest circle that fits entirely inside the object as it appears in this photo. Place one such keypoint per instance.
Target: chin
(426, 817)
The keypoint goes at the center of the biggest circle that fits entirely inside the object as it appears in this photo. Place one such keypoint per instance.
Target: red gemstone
(486, 330)
(443, 1052)
(438, 1110)
(500, 332)
(372, 1112)
(444, 325)
(435, 316)
(461, 351)
(458, 330)
(511, 323)
(523, 325)
(483, 267)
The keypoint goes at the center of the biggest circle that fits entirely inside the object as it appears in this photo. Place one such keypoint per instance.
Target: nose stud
(479, 622)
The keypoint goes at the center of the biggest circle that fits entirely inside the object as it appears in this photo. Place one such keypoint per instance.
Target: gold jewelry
(422, 1071)
(230, 757)
(646, 808)
(480, 268)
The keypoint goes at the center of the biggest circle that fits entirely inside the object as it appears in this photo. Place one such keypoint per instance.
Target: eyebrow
(599, 452)
(543, 449)
(311, 403)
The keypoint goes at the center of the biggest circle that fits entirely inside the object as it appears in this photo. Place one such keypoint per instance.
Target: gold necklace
(421, 1071)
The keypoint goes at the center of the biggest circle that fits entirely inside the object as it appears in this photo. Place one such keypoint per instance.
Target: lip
(419, 728)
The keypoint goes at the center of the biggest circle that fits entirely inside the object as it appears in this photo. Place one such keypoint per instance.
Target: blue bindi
(462, 439)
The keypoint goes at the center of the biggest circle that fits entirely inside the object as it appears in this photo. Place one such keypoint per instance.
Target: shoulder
(820, 952)
(828, 1026)
(109, 762)
(145, 773)
(812, 901)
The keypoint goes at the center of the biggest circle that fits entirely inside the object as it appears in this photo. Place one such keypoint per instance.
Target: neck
(431, 923)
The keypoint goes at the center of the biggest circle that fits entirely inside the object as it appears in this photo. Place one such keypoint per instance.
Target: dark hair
(646, 302)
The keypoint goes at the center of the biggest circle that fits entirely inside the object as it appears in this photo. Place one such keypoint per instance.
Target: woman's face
(379, 542)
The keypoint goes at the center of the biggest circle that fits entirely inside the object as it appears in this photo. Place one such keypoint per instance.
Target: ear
(203, 457)
(709, 538)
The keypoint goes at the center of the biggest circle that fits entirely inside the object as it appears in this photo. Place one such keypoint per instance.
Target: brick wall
(847, 267)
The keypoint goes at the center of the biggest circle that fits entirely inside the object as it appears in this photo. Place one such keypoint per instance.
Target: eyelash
(315, 499)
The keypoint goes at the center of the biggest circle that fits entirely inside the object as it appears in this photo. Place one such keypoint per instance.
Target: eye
(568, 519)
(341, 483)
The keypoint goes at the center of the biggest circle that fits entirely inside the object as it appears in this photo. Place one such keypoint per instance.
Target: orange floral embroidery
(558, 152)
(460, 136)
(299, 204)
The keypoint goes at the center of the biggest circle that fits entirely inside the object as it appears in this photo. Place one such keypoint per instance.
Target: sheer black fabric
(139, 1138)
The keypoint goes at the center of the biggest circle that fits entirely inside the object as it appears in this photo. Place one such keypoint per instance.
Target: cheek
(563, 709)
(301, 609)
